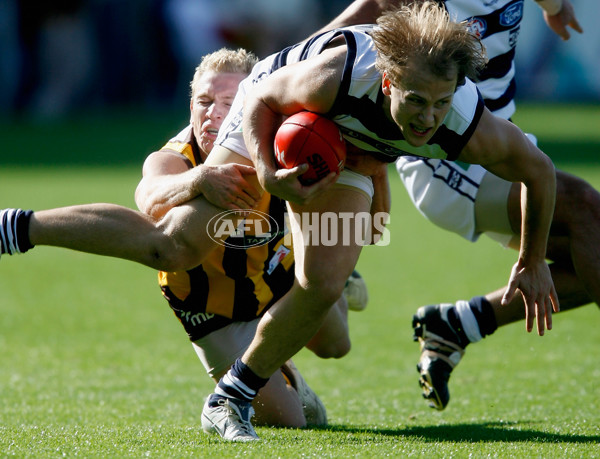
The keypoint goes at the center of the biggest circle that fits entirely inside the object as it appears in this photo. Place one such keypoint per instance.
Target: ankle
(240, 382)
(14, 231)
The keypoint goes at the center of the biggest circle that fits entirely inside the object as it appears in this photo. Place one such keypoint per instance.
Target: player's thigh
(189, 223)
(333, 339)
(495, 207)
(327, 235)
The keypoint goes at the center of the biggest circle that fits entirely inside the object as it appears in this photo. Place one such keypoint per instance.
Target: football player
(470, 201)
(396, 88)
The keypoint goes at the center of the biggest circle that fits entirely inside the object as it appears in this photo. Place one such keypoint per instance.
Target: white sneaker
(356, 292)
(230, 418)
(314, 409)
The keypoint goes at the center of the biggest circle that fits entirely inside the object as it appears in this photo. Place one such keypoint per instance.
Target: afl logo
(512, 15)
(477, 27)
(242, 229)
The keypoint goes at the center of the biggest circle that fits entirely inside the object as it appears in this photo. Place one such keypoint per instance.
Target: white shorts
(463, 198)
(458, 197)
(361, 182)
(218, 350)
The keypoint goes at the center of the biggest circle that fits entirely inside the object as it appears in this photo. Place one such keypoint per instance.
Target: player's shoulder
(183, 136)
(183, 143)
(466, 101)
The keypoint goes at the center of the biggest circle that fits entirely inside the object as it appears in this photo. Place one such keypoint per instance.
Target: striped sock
(468, 321)
(476, 317)
(240, 382)
(14, 231)
(484, 314)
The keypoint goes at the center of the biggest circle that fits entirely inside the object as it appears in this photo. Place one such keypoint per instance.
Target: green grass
(94, 364)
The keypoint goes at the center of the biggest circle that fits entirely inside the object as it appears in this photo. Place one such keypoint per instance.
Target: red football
(310, 138)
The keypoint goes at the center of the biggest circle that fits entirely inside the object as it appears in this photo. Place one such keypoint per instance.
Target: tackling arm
(169, 180)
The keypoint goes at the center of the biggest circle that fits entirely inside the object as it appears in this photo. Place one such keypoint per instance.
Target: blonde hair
(424, 32)
(225, 61)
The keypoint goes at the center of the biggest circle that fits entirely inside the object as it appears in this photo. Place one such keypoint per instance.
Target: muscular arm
(362, 12)
(169, 180)
(503, 149)
(308, 85)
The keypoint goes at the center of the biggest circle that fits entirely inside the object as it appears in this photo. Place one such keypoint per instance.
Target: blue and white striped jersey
(497, 24)
(358, 107)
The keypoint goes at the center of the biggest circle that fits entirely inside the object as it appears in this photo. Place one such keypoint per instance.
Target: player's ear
(386, 85)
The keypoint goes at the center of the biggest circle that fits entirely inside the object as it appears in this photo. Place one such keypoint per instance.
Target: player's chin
(207, 145)
(418, 137)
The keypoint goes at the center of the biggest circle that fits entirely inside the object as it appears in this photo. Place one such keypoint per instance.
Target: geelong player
(395, 89)
(469, 200)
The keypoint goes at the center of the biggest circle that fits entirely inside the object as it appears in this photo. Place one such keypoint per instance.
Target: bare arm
(169, 180)
(165, 183)
(558, 22)
(308, 85)
(504, 150)
(361, 12)
(558, 14)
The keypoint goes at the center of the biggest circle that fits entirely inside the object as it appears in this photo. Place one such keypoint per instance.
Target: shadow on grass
(508, 432)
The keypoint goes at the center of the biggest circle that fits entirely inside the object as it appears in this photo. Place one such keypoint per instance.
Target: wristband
(551, 7)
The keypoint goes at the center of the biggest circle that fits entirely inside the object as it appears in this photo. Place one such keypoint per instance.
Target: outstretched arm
(504, 150)
(559, 14)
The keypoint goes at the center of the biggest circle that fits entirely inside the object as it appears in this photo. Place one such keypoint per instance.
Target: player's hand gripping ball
(313, 139)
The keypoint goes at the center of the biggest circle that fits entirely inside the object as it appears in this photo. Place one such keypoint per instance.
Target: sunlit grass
(94, 364)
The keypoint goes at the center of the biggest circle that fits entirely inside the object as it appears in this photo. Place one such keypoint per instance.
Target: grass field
(94, 364)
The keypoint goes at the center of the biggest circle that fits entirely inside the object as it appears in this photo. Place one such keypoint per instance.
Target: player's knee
(335, 350)
(325, 290)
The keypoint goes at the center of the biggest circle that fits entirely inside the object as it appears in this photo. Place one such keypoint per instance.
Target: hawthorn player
(220, 301)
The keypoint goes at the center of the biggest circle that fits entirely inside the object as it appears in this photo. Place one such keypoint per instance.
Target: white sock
(468, 321)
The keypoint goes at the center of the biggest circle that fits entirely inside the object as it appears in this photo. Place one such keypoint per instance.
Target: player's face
(212, 96)
(419, 104)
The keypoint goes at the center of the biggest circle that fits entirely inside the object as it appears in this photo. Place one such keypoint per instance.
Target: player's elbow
(167, 254)
(543, 171)
(179, 247)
